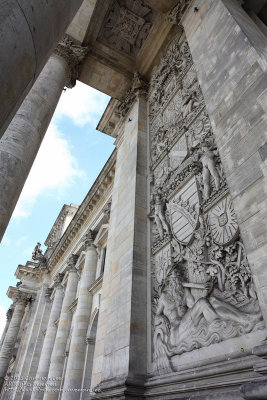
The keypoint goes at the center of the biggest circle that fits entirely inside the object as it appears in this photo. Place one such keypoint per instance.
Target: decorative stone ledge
(103, 183)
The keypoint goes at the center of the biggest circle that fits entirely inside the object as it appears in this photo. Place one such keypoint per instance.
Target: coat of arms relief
(202, 287)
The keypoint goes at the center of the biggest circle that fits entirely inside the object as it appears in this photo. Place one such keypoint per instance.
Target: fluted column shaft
(77, 351)
(49, 341)
(11, 337)
(22, 139)
(63, 330)
(8, 319)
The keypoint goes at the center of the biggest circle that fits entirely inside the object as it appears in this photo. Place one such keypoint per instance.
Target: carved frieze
(127, 25)
(202, 287)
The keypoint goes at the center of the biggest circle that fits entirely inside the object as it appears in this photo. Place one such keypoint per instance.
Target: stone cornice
(18, 295)
(96, 286)
(73, 305)
(57, 227)
(102, 184)
(109, 120)
(35, 274)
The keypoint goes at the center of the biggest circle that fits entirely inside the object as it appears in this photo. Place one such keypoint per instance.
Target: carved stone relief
(127, 25)
(202, 287)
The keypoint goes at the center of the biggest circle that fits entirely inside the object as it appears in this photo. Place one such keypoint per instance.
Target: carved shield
(184, 212)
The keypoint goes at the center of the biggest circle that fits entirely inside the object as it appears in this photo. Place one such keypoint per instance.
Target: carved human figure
(37, 252)
(159, 216)
(209, 169)
(178, 316)
(189, 103)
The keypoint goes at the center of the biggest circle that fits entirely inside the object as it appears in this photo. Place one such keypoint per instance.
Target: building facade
(155, 287)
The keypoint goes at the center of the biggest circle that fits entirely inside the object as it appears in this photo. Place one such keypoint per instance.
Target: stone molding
(56, 231)
(73, 54)
(101, 186)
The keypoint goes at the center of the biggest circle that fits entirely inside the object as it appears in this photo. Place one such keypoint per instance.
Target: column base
(120, 388)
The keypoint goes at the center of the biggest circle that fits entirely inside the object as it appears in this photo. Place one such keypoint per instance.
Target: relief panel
(202, 288)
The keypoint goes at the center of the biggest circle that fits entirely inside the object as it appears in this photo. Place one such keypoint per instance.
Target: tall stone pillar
(8, 319)
(12, 333)
(21, 141)
(121, 341)
(77, 351)
(49, 339)
(63, 330)
(229, 52)
(27, 41)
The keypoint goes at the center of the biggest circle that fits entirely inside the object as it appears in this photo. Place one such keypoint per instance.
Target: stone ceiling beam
(105, 78)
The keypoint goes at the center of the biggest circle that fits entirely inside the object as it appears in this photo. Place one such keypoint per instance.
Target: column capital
(71, 263)
(48, 292)
(139, 88)
(176, 13)
(73, 54)
(88, 239)
(58, 279)
(9, 313)
(22, 298)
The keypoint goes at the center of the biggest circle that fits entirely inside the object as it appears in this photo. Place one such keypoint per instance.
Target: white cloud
(54, 168)
(2, 320)
(82, 104)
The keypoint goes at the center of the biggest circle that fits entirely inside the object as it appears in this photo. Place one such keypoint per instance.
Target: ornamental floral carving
(202, 287)
(127, 25)
(74, 55)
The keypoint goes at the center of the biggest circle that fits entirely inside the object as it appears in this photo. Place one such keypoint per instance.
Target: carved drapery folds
(202, 288)
(74, 55)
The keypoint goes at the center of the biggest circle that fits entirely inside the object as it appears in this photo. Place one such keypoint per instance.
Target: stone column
(63, 330)
(21, 141)
(121, 340)
(229, 52)
(49, 339)
(77, 351)
(11, 335)
(8, 319)
(27, 41)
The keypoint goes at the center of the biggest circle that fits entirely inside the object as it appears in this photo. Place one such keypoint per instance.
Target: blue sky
(69, 160)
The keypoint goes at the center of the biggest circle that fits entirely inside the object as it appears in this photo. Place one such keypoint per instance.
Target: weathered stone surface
(25, 32)
(227, 49)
